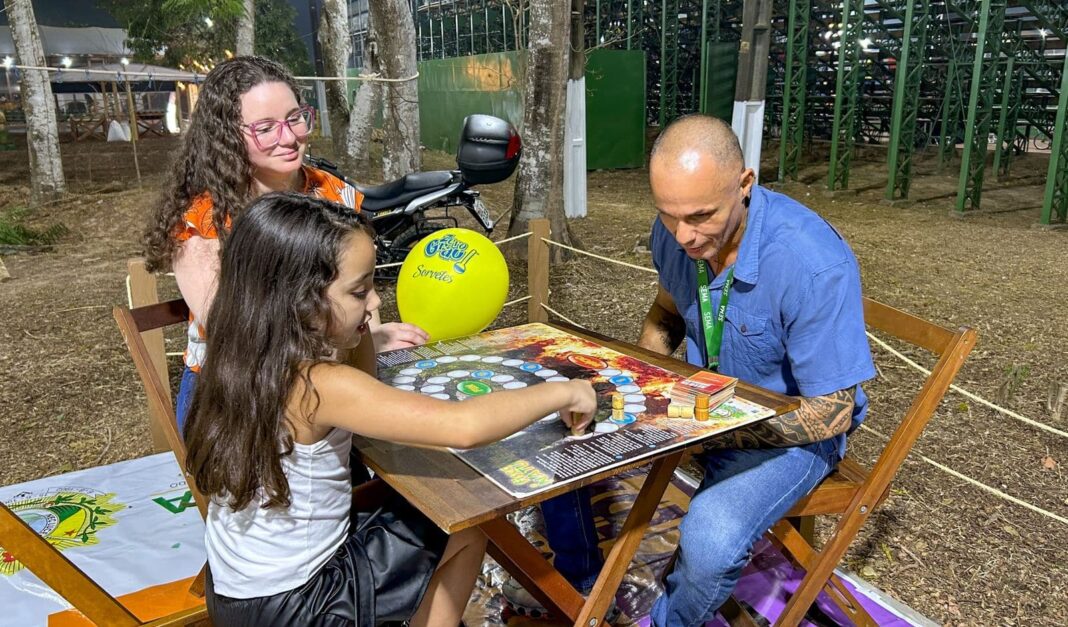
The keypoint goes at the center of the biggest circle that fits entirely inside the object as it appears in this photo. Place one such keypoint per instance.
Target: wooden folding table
(456, 497)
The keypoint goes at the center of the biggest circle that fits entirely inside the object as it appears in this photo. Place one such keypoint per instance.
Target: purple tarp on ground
(769, 580)
(766, 583)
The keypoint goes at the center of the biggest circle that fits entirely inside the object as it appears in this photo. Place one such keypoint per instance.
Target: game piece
(617, 406)
(676, 410)
(700, 410)
(575, 418)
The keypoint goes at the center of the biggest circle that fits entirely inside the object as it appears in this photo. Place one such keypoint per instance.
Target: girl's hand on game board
(583, 405)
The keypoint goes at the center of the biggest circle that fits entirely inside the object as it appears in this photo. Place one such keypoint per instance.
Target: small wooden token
(676, 410)
(701, 414)
(617, 400)
(575, 418)
(701, 402)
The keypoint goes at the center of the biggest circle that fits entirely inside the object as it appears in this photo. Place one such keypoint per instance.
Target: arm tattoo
(818, 418)
(673, 330)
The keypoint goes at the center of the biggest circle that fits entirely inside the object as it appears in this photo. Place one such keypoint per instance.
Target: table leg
(517, 556)
(626, 545)
(524, 562)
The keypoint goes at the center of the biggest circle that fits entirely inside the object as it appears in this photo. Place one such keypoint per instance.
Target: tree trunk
(246, 30)
(367, 103)
(336, 46)
(539, 186)
(42, 133)
(397, 56)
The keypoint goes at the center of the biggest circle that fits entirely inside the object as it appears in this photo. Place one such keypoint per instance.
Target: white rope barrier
(123, 74)
(561, 316)
(516, 301)
(513, 238)
(967, 394)
(979, 484)
(197, 76)
(376, 77)
(589, 254)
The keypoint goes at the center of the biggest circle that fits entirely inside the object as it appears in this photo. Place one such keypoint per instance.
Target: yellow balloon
(453, 283)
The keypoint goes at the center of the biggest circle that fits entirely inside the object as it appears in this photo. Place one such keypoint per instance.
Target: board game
(545, 454)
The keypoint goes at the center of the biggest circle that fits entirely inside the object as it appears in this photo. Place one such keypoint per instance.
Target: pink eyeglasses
(267, 134)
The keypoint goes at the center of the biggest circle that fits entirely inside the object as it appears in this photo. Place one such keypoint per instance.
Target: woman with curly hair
(247, 137)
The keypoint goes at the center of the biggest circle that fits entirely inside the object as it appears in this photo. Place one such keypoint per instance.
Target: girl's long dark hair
(266, 326)
(213, 156)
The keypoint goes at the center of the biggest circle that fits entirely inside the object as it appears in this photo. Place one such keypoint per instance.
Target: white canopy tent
(91, 40)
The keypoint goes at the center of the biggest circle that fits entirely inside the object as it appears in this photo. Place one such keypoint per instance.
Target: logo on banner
(65, 517)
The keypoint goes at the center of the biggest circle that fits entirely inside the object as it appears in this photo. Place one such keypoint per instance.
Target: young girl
(269, 429)
(247, 137)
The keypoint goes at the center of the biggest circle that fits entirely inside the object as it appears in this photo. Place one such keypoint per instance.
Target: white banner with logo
(128, 525)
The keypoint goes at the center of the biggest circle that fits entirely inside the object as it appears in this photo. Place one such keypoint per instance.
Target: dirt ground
(69, 396)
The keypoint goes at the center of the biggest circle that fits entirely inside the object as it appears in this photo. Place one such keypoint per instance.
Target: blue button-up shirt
(795, 319)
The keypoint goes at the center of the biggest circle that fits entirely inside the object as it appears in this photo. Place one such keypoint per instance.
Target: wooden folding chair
(852, 492)
(54, 568)
(136, 326)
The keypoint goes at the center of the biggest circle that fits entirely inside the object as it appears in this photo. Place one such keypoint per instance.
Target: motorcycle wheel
(402, 246)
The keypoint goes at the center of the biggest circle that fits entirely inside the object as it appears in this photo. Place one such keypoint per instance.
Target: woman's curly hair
(213, 156)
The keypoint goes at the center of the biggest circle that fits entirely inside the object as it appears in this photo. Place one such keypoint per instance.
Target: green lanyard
(713, 327)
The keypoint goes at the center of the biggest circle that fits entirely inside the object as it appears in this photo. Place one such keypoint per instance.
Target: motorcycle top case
(489, 149)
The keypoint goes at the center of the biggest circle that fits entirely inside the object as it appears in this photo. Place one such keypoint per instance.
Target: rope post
(143, 292)
(538, 270)
(133, 129)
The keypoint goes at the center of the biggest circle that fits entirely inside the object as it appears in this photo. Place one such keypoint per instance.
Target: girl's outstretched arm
(354, 400)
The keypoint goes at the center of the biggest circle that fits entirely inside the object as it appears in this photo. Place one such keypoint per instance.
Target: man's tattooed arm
(663, 328)
(817, 419)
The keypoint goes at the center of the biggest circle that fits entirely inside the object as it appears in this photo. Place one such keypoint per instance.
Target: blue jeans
(185, 398)
(744, 493)
(572, 536)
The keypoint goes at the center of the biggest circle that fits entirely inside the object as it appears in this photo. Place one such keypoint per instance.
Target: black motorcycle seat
(403, 190)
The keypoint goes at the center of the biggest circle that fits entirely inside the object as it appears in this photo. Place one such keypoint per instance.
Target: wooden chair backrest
(43, 559)
(952, 348)
(133, 323)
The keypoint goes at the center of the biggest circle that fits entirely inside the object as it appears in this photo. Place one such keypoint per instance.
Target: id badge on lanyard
(713, 324)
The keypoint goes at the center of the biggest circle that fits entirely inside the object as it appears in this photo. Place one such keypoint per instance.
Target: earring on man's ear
(745, 201)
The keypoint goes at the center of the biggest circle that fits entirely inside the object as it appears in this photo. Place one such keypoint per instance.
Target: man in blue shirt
(784, 289)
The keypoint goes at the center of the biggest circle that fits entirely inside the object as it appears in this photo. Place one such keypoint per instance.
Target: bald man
(784, 299)
(760, 288)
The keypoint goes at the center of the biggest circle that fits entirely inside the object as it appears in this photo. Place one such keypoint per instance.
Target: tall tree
(366, 103)
(175, 32)
(42, 134)
(336, 46)
(395, 32)
(539, 186)
(246, 29)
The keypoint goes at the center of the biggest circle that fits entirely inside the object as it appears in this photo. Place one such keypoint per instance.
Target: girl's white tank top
(258, 552)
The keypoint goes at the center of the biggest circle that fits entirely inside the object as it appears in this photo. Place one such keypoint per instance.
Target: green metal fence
(452, 88)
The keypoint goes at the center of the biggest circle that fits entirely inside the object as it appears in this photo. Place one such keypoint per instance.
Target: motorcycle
(488, 152)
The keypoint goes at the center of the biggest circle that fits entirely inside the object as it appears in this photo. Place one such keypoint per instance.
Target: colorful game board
(545, 454)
